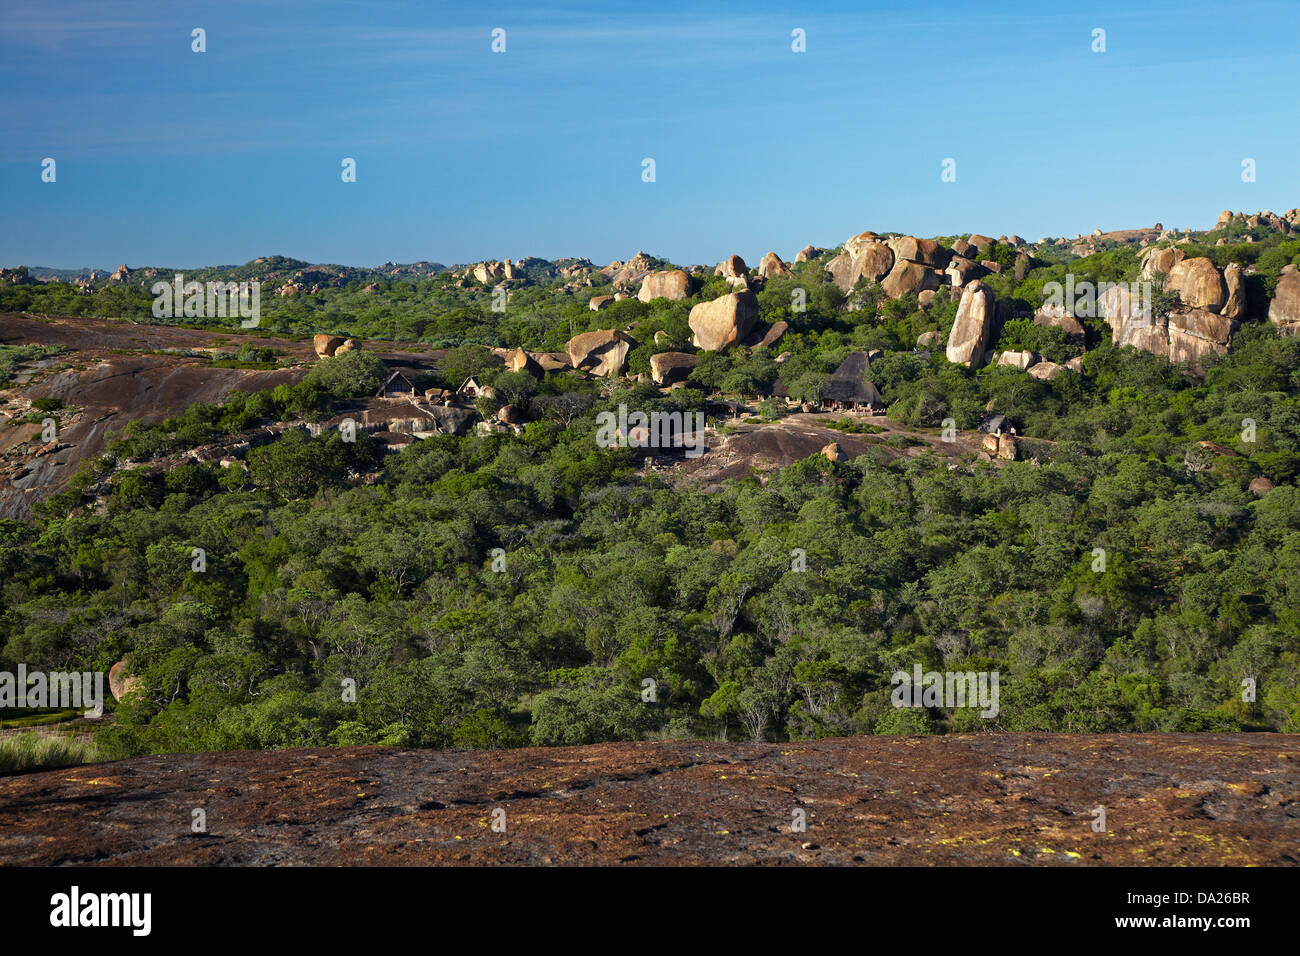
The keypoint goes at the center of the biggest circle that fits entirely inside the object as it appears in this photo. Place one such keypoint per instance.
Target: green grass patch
(37, 719)
(31, 751)
(851, 427)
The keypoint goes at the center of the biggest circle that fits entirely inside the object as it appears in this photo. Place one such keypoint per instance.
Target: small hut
(848, 388)
(396, 385)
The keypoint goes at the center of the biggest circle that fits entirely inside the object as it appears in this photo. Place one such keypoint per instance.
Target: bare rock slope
(1005, 799)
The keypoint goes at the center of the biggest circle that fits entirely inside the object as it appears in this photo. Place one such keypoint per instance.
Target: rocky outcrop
(901, 264)
(552, 361)
(771, 335)
(926, 251)
(598, 302)
(1235, 306)
(452, 420)
(1129, 322)
(725, 321)
(1160, 260)
(1046, 371)
(806, 253)
(927, 340)
(120, 681)
(961, 270)
(630, 272)
(602, 352)
(972, 330)
(1284, 310)
(1199, 284)
(1024, 263)
(734, 270)
(1266, 219)
(907, 276)
(771, 266)
(860, 259)
(1055, 316)
(521, 361)
(1260, 486)
(1000, 445)
(1020, 360)
(833, 452)
(20, 275)
(1187, 335)
(1199, 333)
(674, 284)
(486, 272)
(327, 345)
(873, 263)
(669, 368)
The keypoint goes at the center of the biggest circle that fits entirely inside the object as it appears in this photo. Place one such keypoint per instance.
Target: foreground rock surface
(1010, 799)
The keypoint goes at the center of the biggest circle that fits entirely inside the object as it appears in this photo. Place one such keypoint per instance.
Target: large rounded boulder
(669, 368)
(908, 276)
(602, 352)
(327, 345)
(674, 284)
(724, 322)
(1198, 283)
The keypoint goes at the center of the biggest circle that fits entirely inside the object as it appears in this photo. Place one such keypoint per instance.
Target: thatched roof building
(849, 385)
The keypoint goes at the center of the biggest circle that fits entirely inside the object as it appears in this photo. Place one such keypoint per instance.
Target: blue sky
(169, 157)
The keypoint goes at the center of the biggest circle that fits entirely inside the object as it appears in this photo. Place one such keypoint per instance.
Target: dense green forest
(313, 577)
(330, 562)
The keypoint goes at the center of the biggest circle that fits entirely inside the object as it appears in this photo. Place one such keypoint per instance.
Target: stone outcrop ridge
(630, 272)
(1211, 303)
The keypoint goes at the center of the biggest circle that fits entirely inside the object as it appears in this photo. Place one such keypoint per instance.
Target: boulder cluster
(327, 346)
